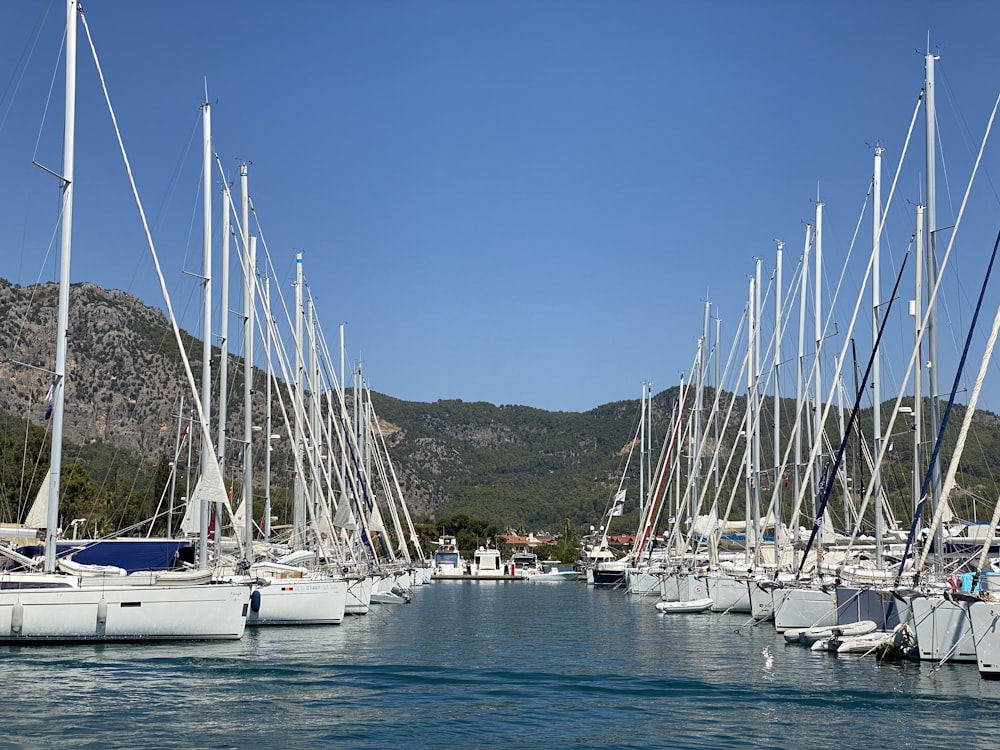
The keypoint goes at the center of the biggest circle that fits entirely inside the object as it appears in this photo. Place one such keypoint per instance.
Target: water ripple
(490, 666)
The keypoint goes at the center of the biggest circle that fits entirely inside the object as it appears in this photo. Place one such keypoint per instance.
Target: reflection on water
(502, 664)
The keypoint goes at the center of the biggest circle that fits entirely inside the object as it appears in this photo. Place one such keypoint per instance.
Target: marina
(510, 665)
(778, 554)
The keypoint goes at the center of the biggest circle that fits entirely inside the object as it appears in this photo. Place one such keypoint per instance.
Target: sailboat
(102, 603)
(288, 590)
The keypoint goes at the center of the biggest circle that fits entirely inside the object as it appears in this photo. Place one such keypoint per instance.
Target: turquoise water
(491, 665)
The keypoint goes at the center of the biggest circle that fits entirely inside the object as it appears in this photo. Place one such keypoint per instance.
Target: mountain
(511, 465)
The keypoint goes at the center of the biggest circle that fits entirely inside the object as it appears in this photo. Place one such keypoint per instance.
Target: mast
(62, 325)
(845, 480)
(818, 338)
(223, 375)
(343, 504)
(755, 459)
(316, 443)
(642, 451)
(249, 289)
(877, 362)
(298, 505)
(749, 426)
(800, 381)
(207, 453)
(267, 410)
(224, 332)
(917, 312)
(649, 439)
(699, 408)
(932, 274)
(776, 363)
(718, 386)
(681, 392)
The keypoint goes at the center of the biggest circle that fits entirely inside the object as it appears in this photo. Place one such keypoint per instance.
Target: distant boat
(553, 574)
(487, 563)
(447, 559)
(525, 564)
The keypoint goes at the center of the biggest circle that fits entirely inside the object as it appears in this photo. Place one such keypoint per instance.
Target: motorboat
(447, 559)
(525, 564)
(553, 573)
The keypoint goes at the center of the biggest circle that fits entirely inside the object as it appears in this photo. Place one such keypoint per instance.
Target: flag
(618, 508)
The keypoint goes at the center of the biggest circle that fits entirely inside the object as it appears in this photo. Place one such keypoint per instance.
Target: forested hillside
(514, 466)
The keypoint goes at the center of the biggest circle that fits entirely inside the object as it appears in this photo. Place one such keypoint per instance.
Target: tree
(567, 549)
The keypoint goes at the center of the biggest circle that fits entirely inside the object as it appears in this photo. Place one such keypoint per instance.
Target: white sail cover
(38, 514)
(209, 489)
(240, 514)
(344, 518)
(322, 526)
(375, 522)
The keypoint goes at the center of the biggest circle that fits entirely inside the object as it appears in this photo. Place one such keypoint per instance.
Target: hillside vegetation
(511, 466)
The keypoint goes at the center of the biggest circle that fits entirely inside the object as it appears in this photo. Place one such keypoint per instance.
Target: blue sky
(512, 202)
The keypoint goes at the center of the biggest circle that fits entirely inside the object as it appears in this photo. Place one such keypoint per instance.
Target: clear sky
(505, 201)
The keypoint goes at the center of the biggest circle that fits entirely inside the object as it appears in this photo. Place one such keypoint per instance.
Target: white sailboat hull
(943, 629)
(123, 613)
(804, 608)
(985, 616)
(359, 595)
(761, 601)
(307, 601)
(642, 582)
(670, 587)
(729, 594)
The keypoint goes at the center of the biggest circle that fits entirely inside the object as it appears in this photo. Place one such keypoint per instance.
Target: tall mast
(642, 451)
(800, 379)
(316, 444)
(818, 338)
(206, 324)
(838, 363)
(918, 377)
(267, 410)
(717, 484)
(342, 429)
(755, 460)
(206, 509)
(699, 395)
(206, 236)
(749, 425)
(932, 274)
(877, 357)
(776, 362)
(298, 505)
(248, 282)
(649, 440)
(249, 293)
(62, 326)
(224, 331)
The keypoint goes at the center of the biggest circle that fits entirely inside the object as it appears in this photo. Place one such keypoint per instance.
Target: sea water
(491, 665)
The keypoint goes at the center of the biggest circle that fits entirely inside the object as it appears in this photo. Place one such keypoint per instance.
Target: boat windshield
(446, 558)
